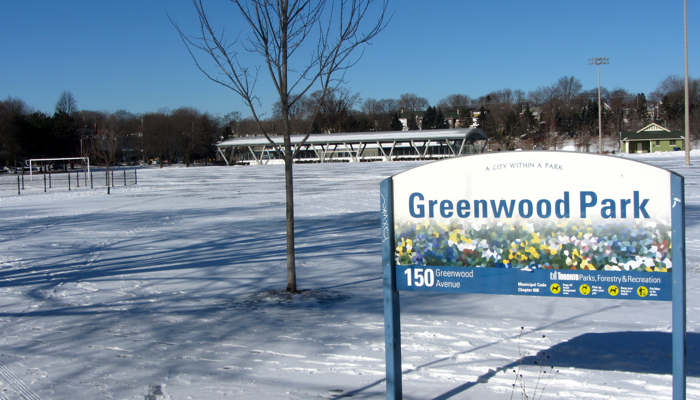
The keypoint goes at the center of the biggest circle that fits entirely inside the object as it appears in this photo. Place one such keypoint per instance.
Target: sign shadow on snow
(635, 352)
(692, 215)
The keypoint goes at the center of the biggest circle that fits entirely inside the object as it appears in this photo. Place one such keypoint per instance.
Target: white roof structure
(365, 137)
(352, 146)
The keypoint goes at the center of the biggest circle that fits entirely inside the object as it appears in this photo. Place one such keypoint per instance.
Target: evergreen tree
(642, 110)
(440, 122)
(412, 123)
(511, 130)
(396, 124)
(66, 134)
(465, 119)
(487, 122)
(429, 119)
(529, 122)
(481, 119)
(673, 110)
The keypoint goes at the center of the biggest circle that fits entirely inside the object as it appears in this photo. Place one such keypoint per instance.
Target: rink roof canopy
(356, 143)
(470, 134)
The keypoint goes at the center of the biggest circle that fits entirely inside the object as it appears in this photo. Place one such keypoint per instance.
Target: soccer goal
(44, 160)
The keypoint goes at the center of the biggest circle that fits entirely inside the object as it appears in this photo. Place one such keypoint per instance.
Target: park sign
(536, 223)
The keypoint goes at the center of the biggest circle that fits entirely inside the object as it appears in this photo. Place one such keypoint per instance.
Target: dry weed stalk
(542, 376)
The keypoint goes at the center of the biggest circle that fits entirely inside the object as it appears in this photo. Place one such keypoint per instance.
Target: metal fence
(52, 181)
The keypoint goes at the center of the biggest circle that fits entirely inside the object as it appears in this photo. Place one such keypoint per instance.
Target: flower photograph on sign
(516, 243)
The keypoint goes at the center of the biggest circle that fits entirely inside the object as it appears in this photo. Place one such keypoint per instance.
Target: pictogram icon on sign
(584, 289)
(555, 288)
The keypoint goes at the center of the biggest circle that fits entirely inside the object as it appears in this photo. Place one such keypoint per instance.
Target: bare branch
(279, 33)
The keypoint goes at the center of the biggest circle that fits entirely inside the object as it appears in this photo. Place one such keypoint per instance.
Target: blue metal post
(392, 321)
(678, 276)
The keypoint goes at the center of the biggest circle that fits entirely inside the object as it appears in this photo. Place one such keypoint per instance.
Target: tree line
(182, 135)
(560, 110)
(545, 116)
(563, 110)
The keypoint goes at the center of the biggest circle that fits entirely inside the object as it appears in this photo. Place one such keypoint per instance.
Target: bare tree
(157, 131)
(335, 107)
(12, 140)
(566, 88)
(672, 84)
(619, 101)
(301, 114)
(185, 121)
(383, 113)
(282, 33)
(501, 97)
(66, 103)
(670, 93)
(411, 102)
(389, 106)
(106, 146)
(455, 102)
(371, 106)
(229, 124)
(541, 96)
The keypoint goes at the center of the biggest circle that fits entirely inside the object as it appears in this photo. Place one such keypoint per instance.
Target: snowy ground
(165, 291)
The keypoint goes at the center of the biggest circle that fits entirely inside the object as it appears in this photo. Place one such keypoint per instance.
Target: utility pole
(597, 61)
(687, 96)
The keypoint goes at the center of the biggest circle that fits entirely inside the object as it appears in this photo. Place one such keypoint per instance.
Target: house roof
(651, 135)
(654, 127)
(652, 132)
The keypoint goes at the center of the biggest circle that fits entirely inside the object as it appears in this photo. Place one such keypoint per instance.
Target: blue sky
(125, 54)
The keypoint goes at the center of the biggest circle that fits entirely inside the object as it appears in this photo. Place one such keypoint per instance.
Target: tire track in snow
(17, 384)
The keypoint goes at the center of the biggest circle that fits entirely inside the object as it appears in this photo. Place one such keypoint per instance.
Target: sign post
(392, 321)
(548, 224)
(678, 272)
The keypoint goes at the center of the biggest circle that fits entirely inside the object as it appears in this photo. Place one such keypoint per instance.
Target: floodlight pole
(597, 61)
(687, 96)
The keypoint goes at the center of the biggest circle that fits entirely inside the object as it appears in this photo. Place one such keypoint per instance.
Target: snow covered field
(166, 290)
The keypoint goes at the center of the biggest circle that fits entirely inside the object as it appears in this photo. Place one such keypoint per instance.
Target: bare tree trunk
(289, 188)
(107, 180)
(288, 159)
